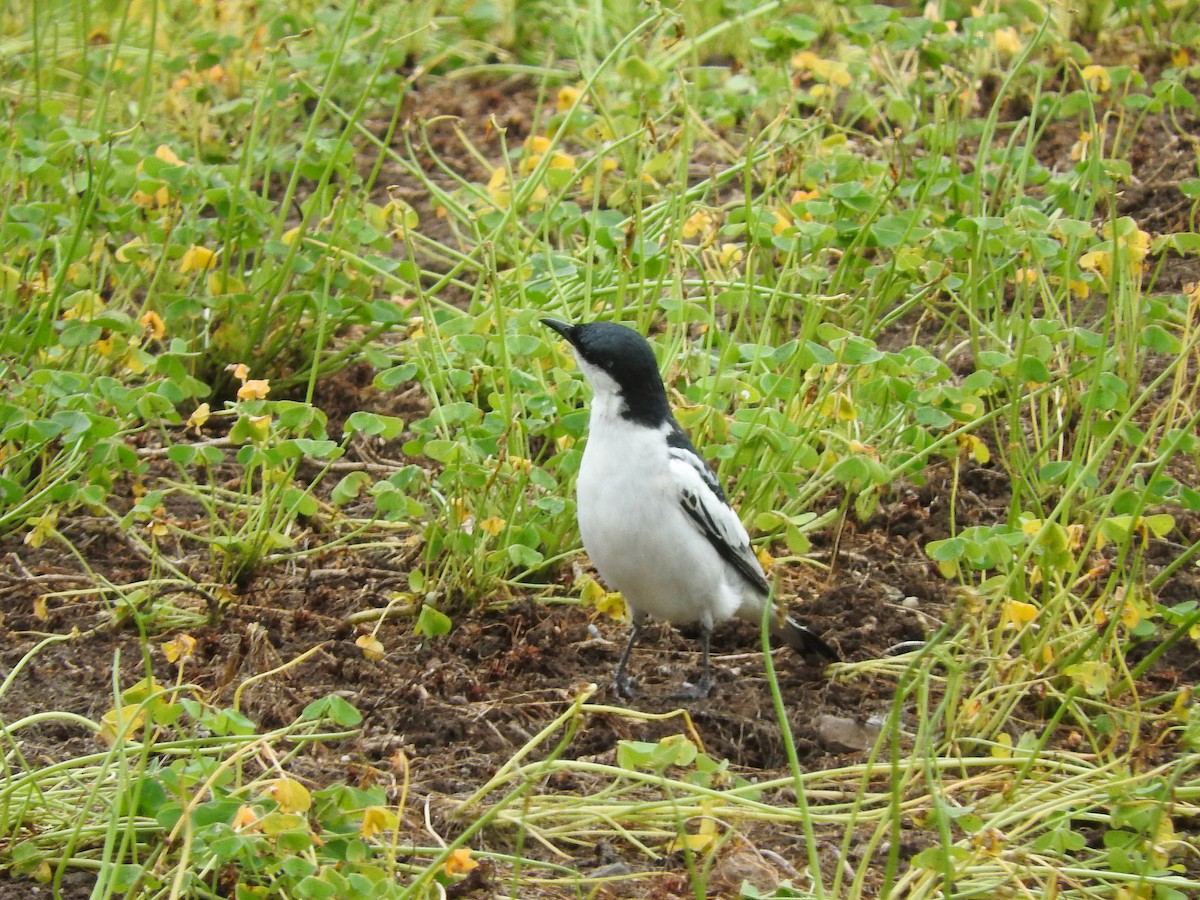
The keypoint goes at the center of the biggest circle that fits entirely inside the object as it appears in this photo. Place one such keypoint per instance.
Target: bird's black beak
(563, 328)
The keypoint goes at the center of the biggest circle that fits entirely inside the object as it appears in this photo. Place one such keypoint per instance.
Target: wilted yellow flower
(160, 197)
(372, 648)
(254, 389)
(1136, 245)
(245, 817)
(197, 259)
(567, 97)
(1006, 40)
(199, 417)
(782, 222)
(167, 155)
(181, 649)
(765, 559)
(1079, 149)
(291, 795)
(838, 405)
(808, 64)
(861, 449)
(224, 283)
(697, 223)
(152, 322)
(131, 251)
(1097, 77)
(289, 236)
(973, 447)
(731, 254)
(261, 426)
(377, 819)
(1079, 288)
(1025, 276)
(498, 188)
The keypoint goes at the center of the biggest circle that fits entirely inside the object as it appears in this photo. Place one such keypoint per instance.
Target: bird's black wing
(703, 500)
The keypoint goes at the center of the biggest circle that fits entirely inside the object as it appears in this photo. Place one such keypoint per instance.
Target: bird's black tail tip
(805, 642)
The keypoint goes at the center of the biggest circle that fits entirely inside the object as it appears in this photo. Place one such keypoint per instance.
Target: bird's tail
(805, 642)
(786, 629)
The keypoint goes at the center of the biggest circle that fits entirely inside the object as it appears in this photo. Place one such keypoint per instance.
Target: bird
(653, 516)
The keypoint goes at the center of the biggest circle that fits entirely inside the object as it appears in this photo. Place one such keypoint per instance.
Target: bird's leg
(626, 685)
(702, 688)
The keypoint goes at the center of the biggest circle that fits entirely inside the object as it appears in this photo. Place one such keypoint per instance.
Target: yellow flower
(567, 97)
(493, 525)
(254, 389)
(537, 143)
(153, 323)
(1096, 77)
(1018, 613)
(197, 259)
(1025, 276)
(199, 417)
(459, 862)
(1098, 261)
(782, 222)
(240, 371)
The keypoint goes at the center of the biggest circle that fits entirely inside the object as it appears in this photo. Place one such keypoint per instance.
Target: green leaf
(432, 622)
(334, 708)
(349, 488)
(375, 425)
(525, 557)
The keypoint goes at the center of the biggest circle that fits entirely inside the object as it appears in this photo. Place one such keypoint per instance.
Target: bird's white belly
(641, 540)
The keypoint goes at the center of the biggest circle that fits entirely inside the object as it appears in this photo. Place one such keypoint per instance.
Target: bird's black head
(625, 357)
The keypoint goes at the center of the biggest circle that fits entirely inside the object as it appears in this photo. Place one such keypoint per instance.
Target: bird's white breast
(637, 533)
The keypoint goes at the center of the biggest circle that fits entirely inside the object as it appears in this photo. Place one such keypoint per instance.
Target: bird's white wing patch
(700, 497)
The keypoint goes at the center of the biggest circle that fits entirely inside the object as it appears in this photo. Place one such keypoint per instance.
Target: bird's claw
(698, 691)
(626, 687)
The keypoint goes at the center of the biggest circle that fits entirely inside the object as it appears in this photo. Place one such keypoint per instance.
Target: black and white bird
(652, 515)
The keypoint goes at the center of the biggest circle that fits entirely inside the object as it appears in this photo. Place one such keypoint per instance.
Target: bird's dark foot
(698, 691)
(626, 686)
